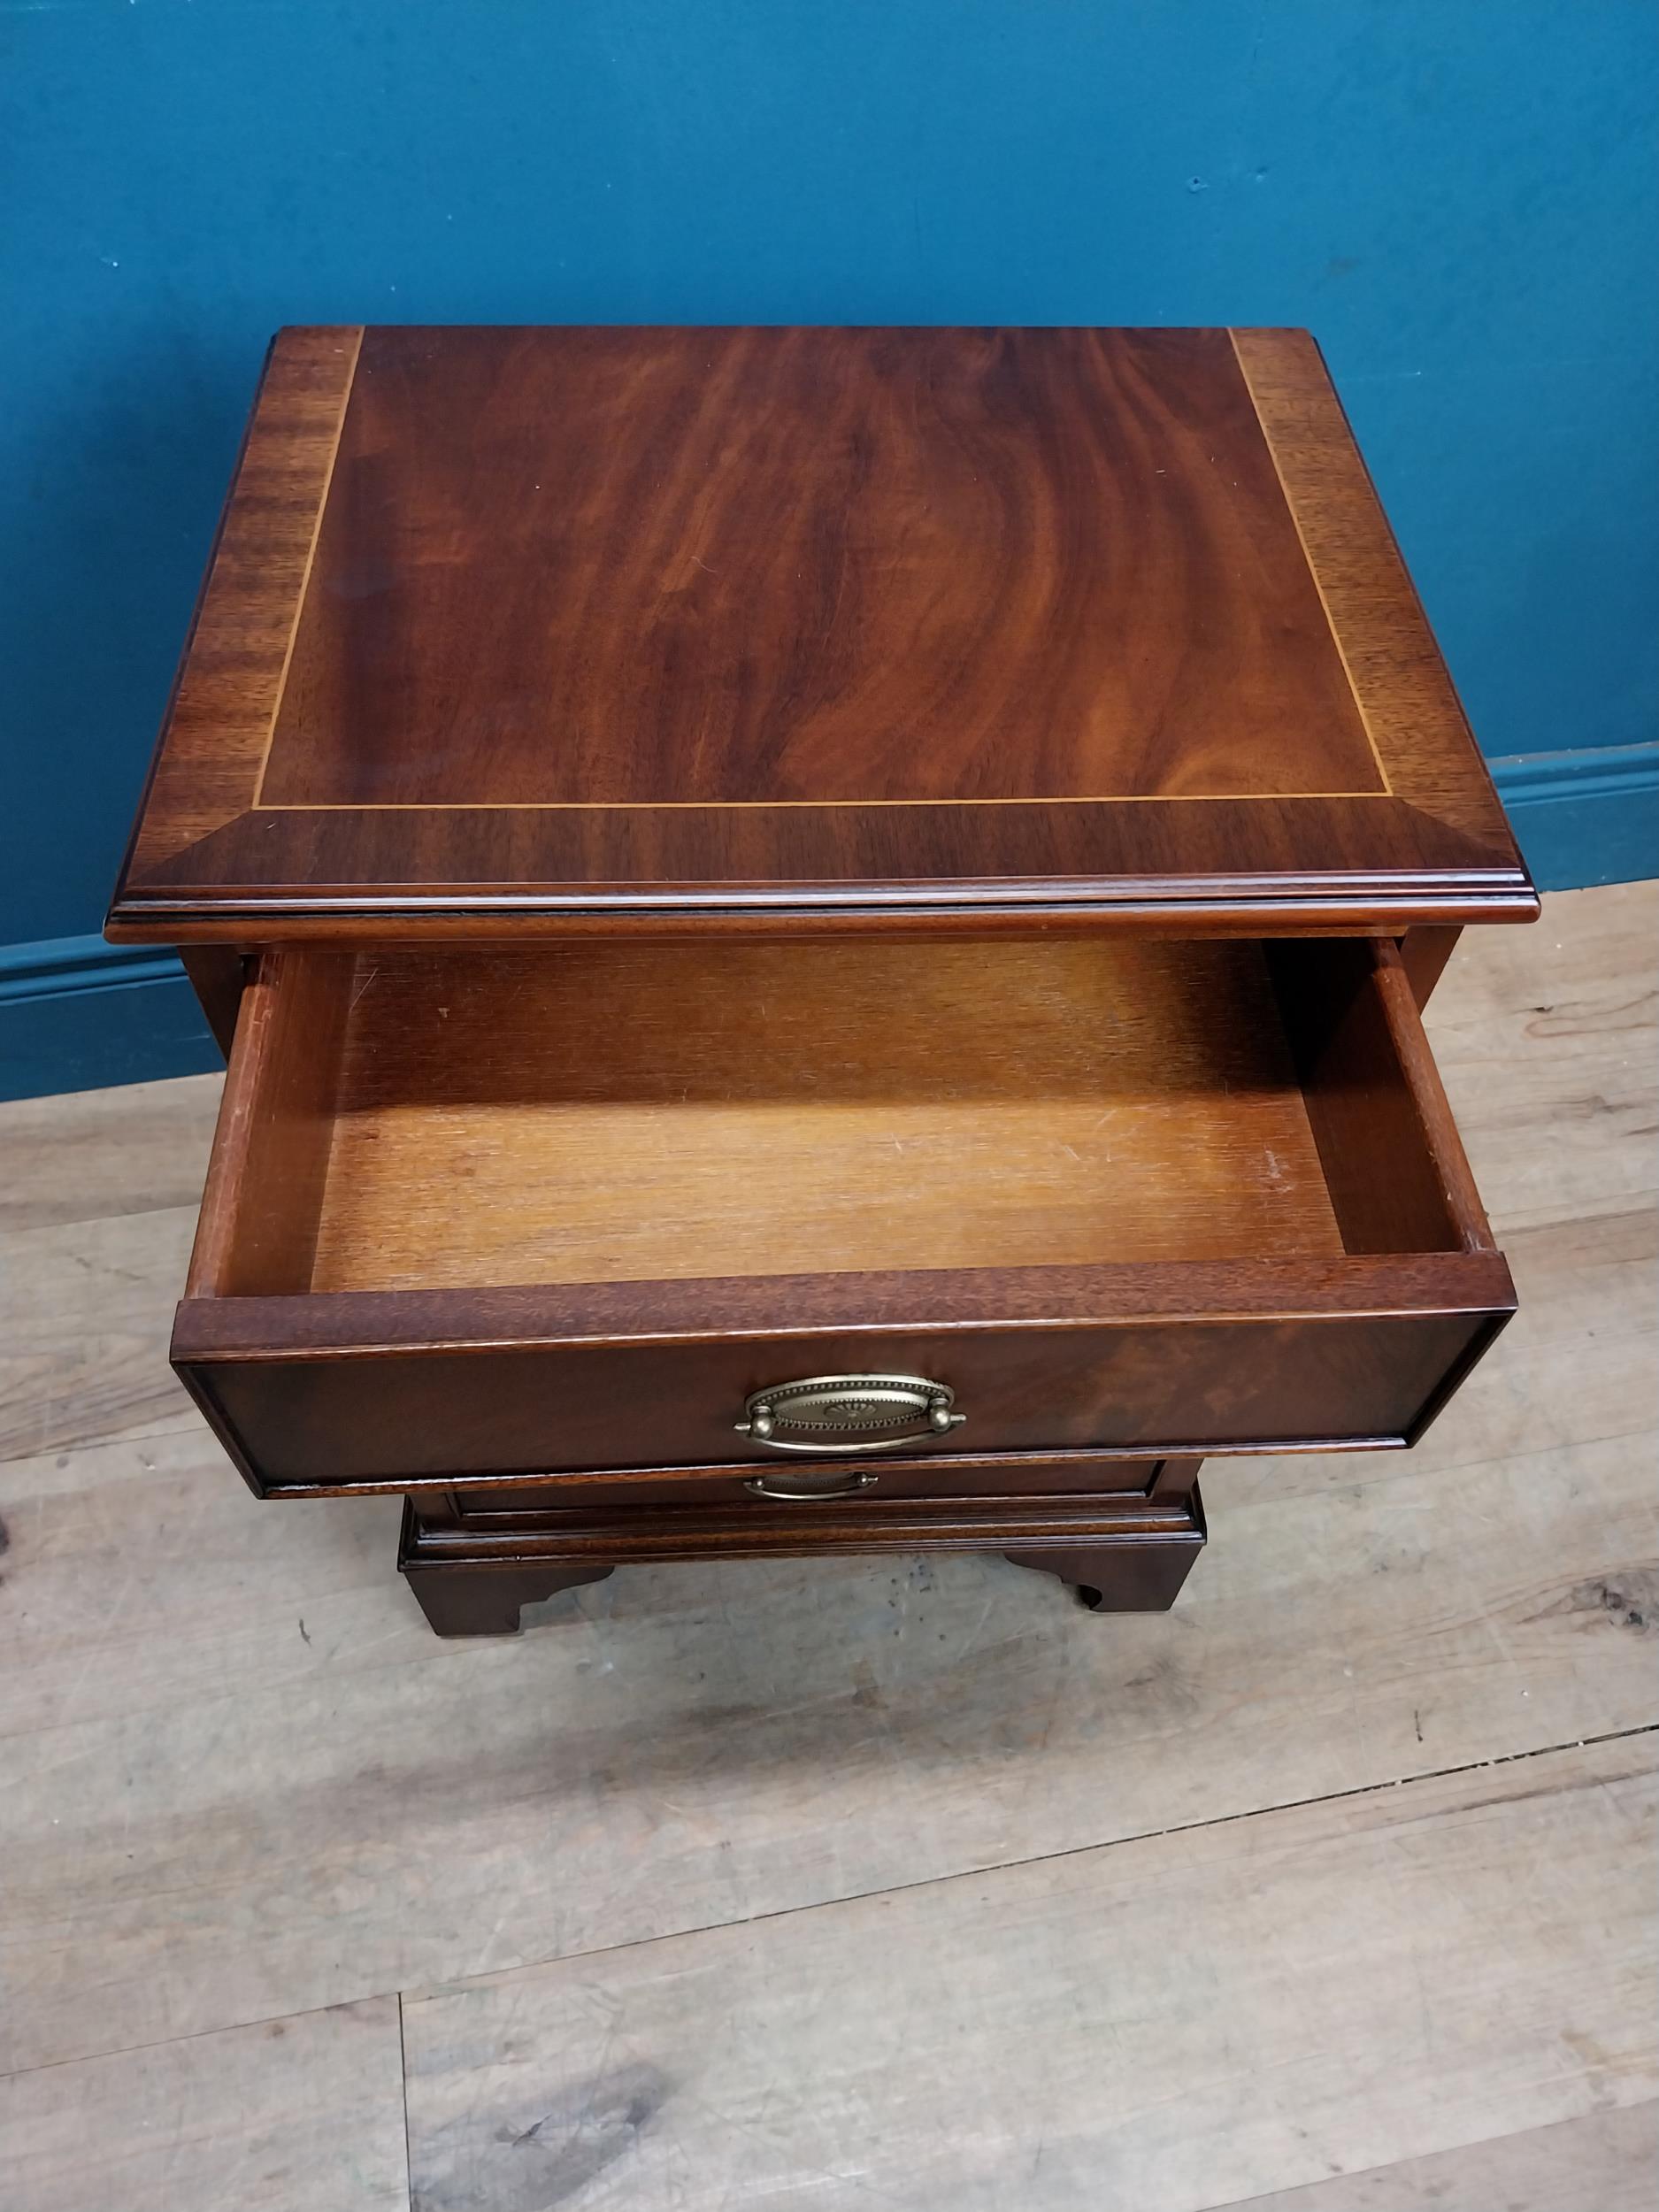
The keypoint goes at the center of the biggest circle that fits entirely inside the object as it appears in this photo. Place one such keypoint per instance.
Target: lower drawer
(1022, 1475)
(499, 1213)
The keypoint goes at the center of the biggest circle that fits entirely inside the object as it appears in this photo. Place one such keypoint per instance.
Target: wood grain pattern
(1389, 649)
(1606, 2161)
(290, 2116)
(1131, 1554)
(753, 1529)
(1374, 1095)
(244, 1779)
(258, 1231)
(989, 1475)
(1300, 2034)
(618, 627)
(218, 975)
(234, 668)
(816, 1159)
(369, 1809)
(616, 1114)
(66, 1381)
(1581, 1015)
(745, 568)
(140, 1148)
(609, 1115)
(296, 1415)
(1425, 952)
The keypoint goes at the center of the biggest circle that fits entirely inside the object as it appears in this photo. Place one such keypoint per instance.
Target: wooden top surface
(617, 627)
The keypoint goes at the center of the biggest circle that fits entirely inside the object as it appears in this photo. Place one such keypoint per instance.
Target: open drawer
(507, 1214)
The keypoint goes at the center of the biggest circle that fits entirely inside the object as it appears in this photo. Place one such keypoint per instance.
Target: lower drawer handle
(763, 1488)
(838, 1416)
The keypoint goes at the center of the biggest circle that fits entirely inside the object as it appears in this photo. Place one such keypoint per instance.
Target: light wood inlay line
(356, 346)
(767, 806)
(1301, 539)
(1072, 624)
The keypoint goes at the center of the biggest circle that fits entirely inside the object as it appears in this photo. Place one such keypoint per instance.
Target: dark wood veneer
(1125, 1556)
(522, 1504)
(599, 627)
(1330, 1305)
(726, 856)
(716, 568)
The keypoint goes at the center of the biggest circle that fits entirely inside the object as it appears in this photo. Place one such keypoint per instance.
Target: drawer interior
(453, 1117)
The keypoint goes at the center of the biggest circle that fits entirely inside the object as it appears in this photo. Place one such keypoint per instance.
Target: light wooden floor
(853, 1885)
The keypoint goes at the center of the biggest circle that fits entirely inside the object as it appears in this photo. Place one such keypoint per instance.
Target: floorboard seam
(200, 2035)
(451, 1985)
(10, 1459)
(1416, 2158)
(402, 2085)
(189, 1420)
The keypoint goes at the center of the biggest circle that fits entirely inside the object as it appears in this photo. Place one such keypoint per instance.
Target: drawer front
(1073, 1474)
(402, 1276)
(338, 1413)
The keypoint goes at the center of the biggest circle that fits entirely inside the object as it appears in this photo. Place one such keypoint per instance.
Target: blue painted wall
(1457, 196)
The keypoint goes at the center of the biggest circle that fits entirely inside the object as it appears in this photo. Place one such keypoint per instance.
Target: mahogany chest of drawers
(820, 935)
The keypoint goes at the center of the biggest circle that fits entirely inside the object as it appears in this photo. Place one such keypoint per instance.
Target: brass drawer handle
(827, 1409)
(764, 1487)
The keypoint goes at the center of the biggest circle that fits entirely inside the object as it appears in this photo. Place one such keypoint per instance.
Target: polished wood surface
(665, 568)
(1126, 1554)
(1360, 1355)
(465, 1120)
(1146, 1576)
(246, 1788)
(537, 1210)
(617, 1114)
(490, 1601)
(267, 1176)
(608, 627)
(218, 975)
(1374, 1095)
(891, 1475)
(759, 1531)
(1425, 952)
